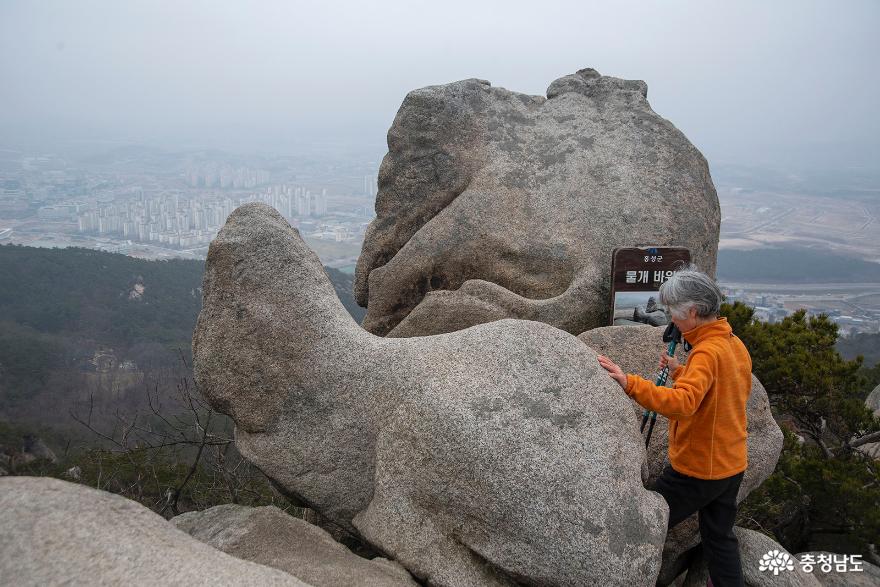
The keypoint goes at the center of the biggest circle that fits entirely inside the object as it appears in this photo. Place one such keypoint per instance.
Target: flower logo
(776, 561)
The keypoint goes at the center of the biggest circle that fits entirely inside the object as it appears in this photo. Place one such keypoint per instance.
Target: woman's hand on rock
(616, 372)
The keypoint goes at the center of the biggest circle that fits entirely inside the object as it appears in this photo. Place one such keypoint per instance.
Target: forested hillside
(95, 362)
(864, 344)
(79, 323)
(102, 296)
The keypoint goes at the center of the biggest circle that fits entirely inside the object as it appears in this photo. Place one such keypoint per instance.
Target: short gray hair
(691, 288)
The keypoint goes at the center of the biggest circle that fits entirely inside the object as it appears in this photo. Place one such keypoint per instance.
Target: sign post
(636, 276)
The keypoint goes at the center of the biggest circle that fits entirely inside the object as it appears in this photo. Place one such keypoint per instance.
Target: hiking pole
(671, 335)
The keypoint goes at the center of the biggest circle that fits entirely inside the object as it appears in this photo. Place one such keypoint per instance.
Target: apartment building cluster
(226, 176)
(176, 219)
(851, 315)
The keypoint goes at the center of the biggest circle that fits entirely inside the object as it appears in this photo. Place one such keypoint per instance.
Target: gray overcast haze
(757, 83)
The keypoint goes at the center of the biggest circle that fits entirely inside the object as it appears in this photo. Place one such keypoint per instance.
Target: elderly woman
(706, 407)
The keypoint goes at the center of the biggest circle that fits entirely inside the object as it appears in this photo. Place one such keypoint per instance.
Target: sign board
(636, 276)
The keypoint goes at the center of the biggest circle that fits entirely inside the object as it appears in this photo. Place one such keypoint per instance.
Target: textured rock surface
(496, 454)
(497, 204)
(868, 577)
(55, 532)
(872, 402)
(268, 536)
(637, 349)
(34, 449)
(752, 546)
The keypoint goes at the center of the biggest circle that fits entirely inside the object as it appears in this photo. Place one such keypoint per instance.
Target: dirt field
(756, 219)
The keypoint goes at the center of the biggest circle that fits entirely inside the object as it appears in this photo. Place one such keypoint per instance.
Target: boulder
(268, 536)
(498, 454)
(34, 449)
(637, 350)
(872, 402)
(870, 449)
(753, 546)
(56, 532)
(651, 318)
(495, 204)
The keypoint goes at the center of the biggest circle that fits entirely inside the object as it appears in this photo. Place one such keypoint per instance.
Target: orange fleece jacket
(706, 406)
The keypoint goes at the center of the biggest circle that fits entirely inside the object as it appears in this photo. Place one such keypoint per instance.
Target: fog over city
(138, 127)
(789, 83)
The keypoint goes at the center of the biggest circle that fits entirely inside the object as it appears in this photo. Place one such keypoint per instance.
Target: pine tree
(824, 493)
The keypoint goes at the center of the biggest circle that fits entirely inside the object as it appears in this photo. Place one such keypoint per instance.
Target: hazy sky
(781, 82)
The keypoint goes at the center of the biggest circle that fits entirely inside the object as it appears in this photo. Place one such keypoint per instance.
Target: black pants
(715, 501)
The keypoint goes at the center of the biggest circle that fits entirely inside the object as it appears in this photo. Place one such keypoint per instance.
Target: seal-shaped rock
(496, 455)
(494, 204)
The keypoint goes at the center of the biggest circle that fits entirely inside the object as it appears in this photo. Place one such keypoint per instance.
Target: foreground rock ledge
(489, 456)
(268, 536)
(53, 532)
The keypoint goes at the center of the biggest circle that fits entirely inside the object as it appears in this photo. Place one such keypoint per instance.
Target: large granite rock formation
(494, 204)
(637, 350)
(498, 454)
(60, 533)
(270, 537)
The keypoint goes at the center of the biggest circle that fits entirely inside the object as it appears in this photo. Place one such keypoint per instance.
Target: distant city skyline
(782, 84)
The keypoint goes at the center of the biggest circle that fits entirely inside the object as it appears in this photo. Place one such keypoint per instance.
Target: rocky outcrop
(55, 533)
(494, 204)
(34, 449)
(498, 454)
(872, 402)
(268, 536)
(637, 350)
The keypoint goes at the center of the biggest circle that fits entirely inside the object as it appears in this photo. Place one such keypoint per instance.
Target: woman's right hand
(672, 362)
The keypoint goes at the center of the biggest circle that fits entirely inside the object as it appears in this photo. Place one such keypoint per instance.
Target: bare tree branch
(873, 437)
